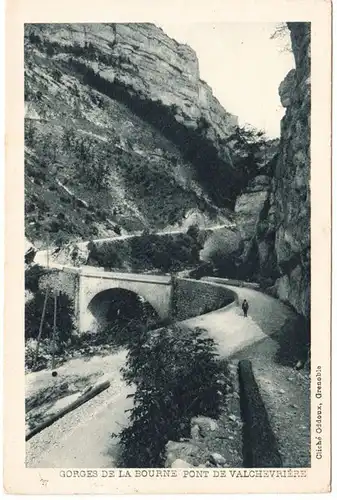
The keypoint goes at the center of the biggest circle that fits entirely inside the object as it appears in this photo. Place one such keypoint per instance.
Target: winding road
(83, 437)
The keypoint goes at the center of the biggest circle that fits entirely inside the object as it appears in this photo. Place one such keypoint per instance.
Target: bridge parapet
(140, 278)
(193, 298)
(232, 282)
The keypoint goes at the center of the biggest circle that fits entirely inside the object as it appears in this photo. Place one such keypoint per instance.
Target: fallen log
(72, 406)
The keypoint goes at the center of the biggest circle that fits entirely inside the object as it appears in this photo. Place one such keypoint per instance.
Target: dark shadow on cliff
(194, 144)
(293, 342)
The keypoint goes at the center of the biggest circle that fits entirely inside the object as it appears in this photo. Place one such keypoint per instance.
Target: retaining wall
(229, 281)
(260, 447)
(65, 282)
(192, 298)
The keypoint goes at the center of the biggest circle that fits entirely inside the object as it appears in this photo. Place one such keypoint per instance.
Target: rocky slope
(120, 133)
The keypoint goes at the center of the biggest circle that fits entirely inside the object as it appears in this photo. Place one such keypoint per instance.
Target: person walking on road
(245, 307)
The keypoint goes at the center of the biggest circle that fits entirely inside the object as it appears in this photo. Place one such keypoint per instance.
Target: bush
(193, 232)
(32, 276)
(29, 133)
(177, 376)
(57, 74)
(106, 255)
(165, 253)
(62, 238)
(43, 358)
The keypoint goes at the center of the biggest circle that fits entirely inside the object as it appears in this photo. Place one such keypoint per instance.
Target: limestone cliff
(291, 202)
(121, 132)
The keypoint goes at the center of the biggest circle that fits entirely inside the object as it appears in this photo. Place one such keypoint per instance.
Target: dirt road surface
(272, 338)
(82, 438)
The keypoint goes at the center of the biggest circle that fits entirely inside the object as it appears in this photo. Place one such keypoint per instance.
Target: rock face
(248, 209)
(291, 203)
(125, 103)
(148, 63)
(222, 249)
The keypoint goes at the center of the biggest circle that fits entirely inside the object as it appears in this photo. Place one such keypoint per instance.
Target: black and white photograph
(167, 246)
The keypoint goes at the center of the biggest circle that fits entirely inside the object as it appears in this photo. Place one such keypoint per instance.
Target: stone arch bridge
(94, 291)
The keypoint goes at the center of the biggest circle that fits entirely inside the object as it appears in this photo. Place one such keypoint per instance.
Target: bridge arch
(155, 290)
(120, 305)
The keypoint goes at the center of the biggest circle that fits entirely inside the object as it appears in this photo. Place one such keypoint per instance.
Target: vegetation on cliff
(148, 252)
(99, 158)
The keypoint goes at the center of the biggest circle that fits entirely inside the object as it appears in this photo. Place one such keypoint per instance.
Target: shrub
(177, 376)
(50, 50)
(54, 226)
(29, 133)
(118, 334)
(193, 231)
(41, 361)
(35, 39)
(32, 276)
(106, 255)
(62, 238)
(57, 74)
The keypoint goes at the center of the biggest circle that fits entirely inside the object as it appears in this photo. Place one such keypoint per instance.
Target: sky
(243, 66)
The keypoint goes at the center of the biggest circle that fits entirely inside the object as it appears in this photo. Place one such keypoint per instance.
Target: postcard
(168, 247)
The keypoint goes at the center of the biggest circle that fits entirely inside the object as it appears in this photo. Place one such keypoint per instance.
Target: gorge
(153, 215)
(122, 135)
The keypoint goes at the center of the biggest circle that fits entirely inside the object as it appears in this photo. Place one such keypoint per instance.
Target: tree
(281, 33)
(68, 138)
(177, 375)
(93, 166)
(246, 145)
(193, 231)
(32, 277)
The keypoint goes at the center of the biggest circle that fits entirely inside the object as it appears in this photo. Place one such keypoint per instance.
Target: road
(272, 337)
(45, 257)
(82, 438)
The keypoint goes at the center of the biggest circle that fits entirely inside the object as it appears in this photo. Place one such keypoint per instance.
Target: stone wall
(228, 281)
(64, 282)
(193, 298)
